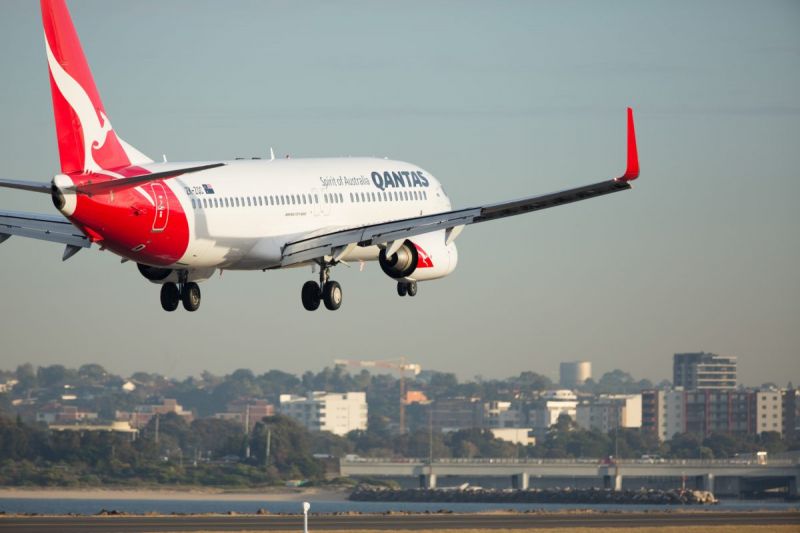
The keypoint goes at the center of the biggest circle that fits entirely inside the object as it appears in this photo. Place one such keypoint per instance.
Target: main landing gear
(407, 288)
(186, 292)
(327, 291)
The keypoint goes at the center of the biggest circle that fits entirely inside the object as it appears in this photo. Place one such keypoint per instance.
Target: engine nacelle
(154, 274)
(168, 275)
(421, 258)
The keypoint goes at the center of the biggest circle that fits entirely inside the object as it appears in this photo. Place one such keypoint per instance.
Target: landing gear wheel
(311, 295)
(191, 296)
(412, 288)
(170, 297)
(332, 295)
(402, 288)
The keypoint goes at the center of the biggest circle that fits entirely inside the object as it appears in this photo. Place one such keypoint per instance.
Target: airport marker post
(306, 507)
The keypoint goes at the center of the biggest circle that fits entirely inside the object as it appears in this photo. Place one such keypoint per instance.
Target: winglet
(632, 170)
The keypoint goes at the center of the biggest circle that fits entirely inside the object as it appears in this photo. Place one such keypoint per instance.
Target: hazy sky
(497, 100)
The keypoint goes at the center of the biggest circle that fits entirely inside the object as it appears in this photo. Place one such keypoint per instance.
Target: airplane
(181, 222)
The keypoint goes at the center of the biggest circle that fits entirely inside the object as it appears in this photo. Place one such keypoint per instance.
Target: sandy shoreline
(194, 493)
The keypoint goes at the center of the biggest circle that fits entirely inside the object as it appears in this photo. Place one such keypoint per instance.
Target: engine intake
(154, 273)
(402, 263)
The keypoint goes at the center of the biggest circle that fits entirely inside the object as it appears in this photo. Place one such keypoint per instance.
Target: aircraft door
(161, 208)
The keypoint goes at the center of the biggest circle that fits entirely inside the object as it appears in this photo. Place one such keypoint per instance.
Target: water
(92, 506)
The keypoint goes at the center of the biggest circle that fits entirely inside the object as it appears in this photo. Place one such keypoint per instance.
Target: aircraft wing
(53, 228)
(335, 243)
(391, 234)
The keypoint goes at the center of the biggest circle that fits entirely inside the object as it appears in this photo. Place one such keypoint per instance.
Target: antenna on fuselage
(271, 154)
(165, 157)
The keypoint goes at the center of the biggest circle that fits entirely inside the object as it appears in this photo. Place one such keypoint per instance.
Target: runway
(76, 524)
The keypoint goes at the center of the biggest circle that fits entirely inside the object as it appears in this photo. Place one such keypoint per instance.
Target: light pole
(306, 507)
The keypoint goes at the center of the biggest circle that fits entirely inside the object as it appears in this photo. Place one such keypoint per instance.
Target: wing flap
(42, 227)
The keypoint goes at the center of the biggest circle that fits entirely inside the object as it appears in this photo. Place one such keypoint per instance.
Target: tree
(290, 448)
(26, 376)
(325, 442)
(92, 372)
(53, 375)
(686, 446)
(220, 437)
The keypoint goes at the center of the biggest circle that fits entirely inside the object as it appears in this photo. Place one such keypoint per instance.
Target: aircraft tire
(412, 289)
(170, 297)
(311, 295)
(191, 296)
(402, 288)
(332, 295)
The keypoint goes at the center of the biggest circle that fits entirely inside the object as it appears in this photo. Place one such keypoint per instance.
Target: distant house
(142, 414)
(55, 413)
(247, 412)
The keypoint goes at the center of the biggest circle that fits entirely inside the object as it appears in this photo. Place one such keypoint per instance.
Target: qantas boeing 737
(180, 222)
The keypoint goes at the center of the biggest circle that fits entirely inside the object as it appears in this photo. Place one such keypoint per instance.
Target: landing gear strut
(326, 291)
(407, 288)
(186, 292)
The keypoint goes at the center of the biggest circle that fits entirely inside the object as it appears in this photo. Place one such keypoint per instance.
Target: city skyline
(498, 102)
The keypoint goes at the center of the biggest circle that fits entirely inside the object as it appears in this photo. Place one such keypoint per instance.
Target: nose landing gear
(326, 291)
(407, 288)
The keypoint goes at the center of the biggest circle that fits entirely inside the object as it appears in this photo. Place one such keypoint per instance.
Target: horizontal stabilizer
(53, 228)
(22, 185)
(134, 181)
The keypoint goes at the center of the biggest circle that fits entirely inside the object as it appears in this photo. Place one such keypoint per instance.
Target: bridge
(727, 476)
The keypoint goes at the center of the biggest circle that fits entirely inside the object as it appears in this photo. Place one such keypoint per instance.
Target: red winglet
(632, 171)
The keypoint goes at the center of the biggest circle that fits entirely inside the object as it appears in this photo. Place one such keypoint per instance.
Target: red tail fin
(86, 140)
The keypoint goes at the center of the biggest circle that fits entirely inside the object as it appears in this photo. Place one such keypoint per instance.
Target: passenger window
(316, 199)
(304, 199)
(248, 202)
(259, 201)
(293, 199)
(341, 198)
(362, 197)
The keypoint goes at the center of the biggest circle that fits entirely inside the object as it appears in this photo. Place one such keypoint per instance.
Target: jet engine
(170, 275)
(421, 258)
(152, 273)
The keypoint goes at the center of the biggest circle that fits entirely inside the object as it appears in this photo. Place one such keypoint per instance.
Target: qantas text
(399, 179)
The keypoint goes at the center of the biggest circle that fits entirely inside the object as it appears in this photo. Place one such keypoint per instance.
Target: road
(76, 524)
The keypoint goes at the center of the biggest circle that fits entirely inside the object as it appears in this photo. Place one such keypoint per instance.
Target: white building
(610, 411)
(499, 414)
(769, 411)
(338, 413)
(672, 414)
(549, 407)
(522, 436)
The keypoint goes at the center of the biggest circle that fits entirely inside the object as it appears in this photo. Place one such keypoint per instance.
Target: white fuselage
(240, 215)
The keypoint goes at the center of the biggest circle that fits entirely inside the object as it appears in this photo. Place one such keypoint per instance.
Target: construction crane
(400, 365)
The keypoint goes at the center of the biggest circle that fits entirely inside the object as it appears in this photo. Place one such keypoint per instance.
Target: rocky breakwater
(371, 493)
